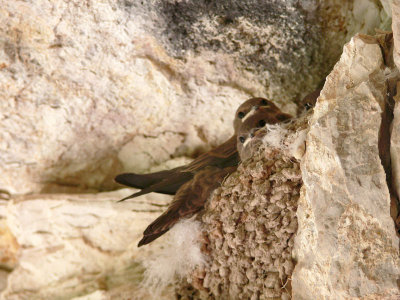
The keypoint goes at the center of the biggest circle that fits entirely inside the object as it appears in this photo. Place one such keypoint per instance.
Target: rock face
(90, 89)
(346, 245)
(66, 245)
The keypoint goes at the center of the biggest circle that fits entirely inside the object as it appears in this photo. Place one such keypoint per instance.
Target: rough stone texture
(395, 7)
(85, 84)
(395, 133)
(346, 245)
(92, 88)
(395, 147)
(67, 245)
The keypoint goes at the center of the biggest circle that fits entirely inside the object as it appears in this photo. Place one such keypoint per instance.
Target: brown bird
(188, 200)
(248, 108)
(308, 101)
(249, 128)
(225, 155)
(192, 195)
(206, 172)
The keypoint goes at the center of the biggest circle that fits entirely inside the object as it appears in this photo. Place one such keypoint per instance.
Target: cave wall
(90, 89)
(346, 244)
(94, 88)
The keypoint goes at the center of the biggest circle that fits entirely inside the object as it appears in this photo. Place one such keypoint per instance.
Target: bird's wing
(142, 181)
(168, 182)
(224, 155)
(170, 185)
(189, 199)
(185, 203)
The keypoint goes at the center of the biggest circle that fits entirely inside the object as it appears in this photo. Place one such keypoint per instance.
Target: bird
(225, 155)
(191, 197)
(188, 200)
(308, 102)
(248, 108)
(197, 180)
(250, 128)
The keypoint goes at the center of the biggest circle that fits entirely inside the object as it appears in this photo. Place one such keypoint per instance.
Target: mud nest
(249, 225)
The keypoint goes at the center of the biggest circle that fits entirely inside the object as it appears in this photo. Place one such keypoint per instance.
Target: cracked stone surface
(346, 245)
(395, 136)
(66, 245)
(91, 89)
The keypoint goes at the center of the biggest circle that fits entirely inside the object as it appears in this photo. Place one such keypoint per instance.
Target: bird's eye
(242, 139)
(241, 115)
(264, 102)
(261, 123)
(307, 106)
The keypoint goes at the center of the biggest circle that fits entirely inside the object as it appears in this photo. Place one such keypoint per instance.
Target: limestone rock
(395, 147)
(395, 7)
(85, 84)
(90, 89)
(346, 245)
(395, 133)
(69, 244)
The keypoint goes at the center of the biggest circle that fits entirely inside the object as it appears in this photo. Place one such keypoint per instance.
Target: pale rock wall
(346, 245)
(81, 81)
(395, 137)
(92, 88)
(69, 245)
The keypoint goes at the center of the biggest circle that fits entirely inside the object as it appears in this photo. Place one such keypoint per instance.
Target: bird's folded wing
(189, 199)
(142, 181)
(185, 203)
(167, 185)
(224, 155)
(169, 181)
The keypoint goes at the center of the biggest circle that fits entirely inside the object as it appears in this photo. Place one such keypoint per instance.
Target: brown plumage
(225, 155)
(168, 182)
(308, 102)
(188, 200)
(248, 129)
(193, 184)
(250, 106)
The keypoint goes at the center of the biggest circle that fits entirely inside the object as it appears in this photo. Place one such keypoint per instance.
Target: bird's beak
(256, 132)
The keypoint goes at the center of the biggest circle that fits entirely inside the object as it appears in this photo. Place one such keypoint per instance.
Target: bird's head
(249, 108)
(250, 128)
